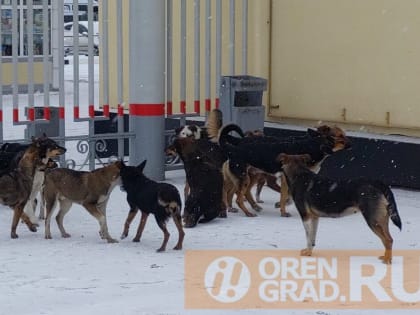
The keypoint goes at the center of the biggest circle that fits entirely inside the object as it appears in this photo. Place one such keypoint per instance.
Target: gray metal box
(241, 101)
(51, 129)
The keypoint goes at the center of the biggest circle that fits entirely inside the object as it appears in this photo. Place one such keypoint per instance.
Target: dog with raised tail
(317, 196)
(148, 196)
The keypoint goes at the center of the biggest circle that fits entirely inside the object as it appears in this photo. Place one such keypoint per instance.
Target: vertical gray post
(147, 84)
(232, 37)
(208, 57)
(120, 83)
(1, 90)
(197, 60)
(218, 49)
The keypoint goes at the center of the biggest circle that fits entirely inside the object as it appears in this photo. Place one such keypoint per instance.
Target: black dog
(202, 162)
(316, 196)
(160, 199)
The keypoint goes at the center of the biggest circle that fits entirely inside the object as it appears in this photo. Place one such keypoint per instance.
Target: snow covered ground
(84, 275)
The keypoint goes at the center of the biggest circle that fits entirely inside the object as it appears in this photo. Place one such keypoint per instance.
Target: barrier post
(147, 85)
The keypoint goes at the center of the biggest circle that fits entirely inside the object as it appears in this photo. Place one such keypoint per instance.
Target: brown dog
(15, 185)
(317, 196)
(90, 189)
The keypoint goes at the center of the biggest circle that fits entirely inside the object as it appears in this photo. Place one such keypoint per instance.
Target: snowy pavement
(85, 275)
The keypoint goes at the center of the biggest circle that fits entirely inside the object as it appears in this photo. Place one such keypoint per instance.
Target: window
(22, 24)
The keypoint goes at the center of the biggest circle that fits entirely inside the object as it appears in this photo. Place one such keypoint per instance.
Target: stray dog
(90, 189)
(202, 162)
(16, 184)
(261, 152)
(10, 155)
(148, 196)
(316, 196)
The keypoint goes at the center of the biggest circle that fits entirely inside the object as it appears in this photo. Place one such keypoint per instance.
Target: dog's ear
(141, 166)
(313, 133)
(283, 158)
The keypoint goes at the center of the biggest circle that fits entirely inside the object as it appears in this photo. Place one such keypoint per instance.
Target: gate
(55, 76)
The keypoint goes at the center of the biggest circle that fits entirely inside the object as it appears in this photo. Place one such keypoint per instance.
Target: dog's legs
(166, 235)
(284, 195)
(311, 226)
(186, 190)
(100, 216)
(50, 204)
(177, 219)
(143, 220)
(65, 206)
(17, 213)
(251, 200)
(131, 215)
(32, 227)
(260, 184)
(381, 229)
(29, 209)
(240, 197)
(41, 215)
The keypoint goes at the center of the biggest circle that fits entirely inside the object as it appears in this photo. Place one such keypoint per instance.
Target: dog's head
(337, 135)
(291, 163)
(188, 131)
(48, 147)
(114, 170)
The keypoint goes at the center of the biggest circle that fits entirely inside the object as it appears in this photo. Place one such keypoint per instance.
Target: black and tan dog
(202, 163)
(89, 189)
(148, 196)
(17, 182)
(316, 196)
(262, 152)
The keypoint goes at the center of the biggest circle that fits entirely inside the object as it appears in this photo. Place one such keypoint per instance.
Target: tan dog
(90, 189)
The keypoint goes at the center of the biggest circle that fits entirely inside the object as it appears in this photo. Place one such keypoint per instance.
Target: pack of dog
(89, 189)
(317, 196)
(151, 197)
(261, 153)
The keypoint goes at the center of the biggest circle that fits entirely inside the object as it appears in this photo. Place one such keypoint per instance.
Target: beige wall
(7, 71)
(350, 61)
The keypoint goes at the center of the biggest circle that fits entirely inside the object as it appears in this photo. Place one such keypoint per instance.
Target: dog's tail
(226, 139)
(214, 123)
(392, 205)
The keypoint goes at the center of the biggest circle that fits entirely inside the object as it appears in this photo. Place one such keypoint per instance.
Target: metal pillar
(147, 84)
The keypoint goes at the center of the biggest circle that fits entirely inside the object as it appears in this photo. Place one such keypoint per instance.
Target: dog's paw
(306, 252)
(223, 214)
(65, 235)
(136, 240)
(33, 228)
(14, 235)
(233, 210)
(257, 208)
(178, 247)
(111, 240)
(159, 250)
(386, 260)
(48, 237)
(286, 214)
(123, 236)
(251, 215)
